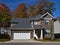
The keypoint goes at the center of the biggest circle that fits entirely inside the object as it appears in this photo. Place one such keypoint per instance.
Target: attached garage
(22, 34)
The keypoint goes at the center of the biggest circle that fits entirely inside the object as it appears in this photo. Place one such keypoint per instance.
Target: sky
(12, 4)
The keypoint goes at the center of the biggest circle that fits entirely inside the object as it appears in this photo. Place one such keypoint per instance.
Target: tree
(45, 6)
(41, 7)
(5, 16)
(32, 11)
(4, 7)
(21, 11)
(51, 30)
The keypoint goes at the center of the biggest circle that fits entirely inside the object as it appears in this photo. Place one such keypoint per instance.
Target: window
(12, 25)
(47, 35)
(47, 22)
(36, 23)
(47, 30)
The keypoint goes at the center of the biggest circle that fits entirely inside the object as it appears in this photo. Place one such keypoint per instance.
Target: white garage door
(21, 35)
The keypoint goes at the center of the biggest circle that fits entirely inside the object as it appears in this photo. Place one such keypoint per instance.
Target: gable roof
(24, 23)
(26, 19)
(38, 17)
(25, 26)
(48, 14)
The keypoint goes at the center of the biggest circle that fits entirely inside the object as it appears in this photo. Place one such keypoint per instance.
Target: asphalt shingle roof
(24, 23)
(19, 19)
(26, 19)
(36, 17)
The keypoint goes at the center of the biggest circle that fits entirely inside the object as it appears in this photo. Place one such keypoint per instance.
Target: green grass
(50, 40)
(4, 40)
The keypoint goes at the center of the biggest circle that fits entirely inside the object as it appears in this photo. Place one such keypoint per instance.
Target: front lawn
(50, 40)
(4, 40)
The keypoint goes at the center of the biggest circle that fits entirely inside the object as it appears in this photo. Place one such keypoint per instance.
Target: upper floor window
(36, 23)
(14, 23)
(47, 22)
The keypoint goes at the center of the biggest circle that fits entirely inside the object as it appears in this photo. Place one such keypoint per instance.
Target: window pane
(48, 31)
(36, 23)
(47, 22)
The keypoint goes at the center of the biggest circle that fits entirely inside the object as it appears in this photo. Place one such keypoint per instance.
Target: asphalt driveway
(22, 41)
(27, 41)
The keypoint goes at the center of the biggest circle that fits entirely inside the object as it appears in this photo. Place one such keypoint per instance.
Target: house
(28, 28)
(57, 27)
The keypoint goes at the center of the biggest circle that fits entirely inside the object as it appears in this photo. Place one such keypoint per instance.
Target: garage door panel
(21, 35)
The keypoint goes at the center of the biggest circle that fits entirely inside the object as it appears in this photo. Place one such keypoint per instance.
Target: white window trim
(36, 23)
(12, 25)
(47, 18)
(32, 23)
(48, 14)
(47, 21)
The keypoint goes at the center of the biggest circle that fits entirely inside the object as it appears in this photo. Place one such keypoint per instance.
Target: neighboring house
(5, 31)
(28, 28)
(57, 27)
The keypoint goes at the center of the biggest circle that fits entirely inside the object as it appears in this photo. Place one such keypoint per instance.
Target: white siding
(56, 27)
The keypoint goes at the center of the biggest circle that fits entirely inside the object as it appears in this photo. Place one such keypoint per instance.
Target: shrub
(34, 38)
(4, 36)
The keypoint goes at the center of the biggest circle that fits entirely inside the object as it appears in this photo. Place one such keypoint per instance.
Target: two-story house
(28, 28)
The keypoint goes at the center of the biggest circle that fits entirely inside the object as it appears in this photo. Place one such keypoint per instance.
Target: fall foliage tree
(4, 16)
(21, 11)
(32, 11)
(41, 7)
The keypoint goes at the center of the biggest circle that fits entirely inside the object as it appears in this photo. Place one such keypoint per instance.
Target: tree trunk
(51, 30)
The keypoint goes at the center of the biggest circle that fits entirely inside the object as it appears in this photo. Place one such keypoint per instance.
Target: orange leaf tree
(4, 16)
(21, 11)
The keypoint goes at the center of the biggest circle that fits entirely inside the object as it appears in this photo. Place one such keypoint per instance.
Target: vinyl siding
(56, 27)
